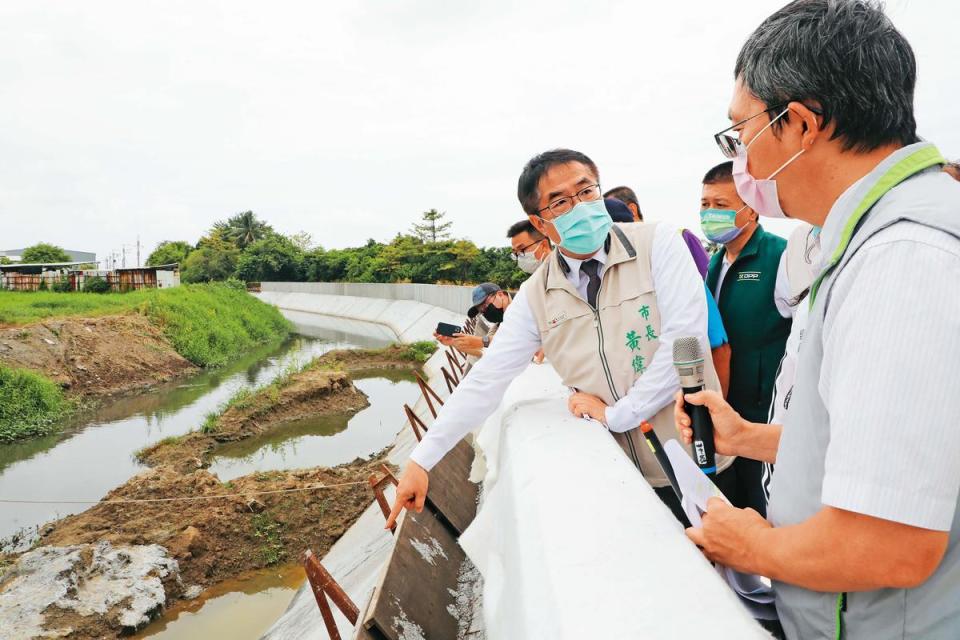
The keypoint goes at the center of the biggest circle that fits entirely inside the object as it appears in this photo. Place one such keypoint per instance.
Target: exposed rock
(192, 592)
(120, 588)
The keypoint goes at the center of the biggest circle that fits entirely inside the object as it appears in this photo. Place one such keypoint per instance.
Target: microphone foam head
(686, 350)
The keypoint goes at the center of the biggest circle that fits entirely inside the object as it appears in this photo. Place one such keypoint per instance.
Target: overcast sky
(348, 119)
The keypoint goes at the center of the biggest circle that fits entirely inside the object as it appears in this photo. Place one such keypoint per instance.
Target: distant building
(82, 257)
(28, 277)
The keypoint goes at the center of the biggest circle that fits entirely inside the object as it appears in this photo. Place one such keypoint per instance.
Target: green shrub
(420, 351)
(96, 284)
(30, 404)
(61, 285)
(235, 283)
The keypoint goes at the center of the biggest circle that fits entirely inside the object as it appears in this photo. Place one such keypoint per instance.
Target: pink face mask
(759, 195)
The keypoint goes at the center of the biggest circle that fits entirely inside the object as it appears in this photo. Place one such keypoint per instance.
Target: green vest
(758, 333)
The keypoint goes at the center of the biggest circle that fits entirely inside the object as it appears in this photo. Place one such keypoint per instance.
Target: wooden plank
(451, 492)
(419, 586)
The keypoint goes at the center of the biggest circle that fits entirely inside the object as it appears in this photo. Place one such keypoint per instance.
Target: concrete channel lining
(409, 318)
(450, 297)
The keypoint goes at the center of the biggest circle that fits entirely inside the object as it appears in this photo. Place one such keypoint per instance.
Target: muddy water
(326, 441)
(96, 453)
(243, 607)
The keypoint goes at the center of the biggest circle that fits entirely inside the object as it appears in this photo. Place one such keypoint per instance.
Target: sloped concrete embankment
(404, 312)
(357, 559)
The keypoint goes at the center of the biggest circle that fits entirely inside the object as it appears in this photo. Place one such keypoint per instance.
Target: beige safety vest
(604, 351)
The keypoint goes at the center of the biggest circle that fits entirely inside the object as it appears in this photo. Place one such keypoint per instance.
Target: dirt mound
(213, 539)
(307, 393)
(95, 357)
(396, 356)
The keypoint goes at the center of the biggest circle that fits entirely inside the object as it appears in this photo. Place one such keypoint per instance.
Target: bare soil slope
(95, 357)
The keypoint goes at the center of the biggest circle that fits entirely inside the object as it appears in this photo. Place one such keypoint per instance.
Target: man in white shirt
(605, 309)
(863, 537)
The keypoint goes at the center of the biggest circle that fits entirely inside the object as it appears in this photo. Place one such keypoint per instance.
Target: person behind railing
(529, 247)
(748, 280)
(605, 307)
(863, 535)
(627, 196)
(483, 321)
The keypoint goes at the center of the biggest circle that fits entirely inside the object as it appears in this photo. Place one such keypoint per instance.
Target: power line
(186, 498)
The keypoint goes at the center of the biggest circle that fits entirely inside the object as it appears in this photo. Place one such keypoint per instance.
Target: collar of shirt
(574, 275)
(845, 205)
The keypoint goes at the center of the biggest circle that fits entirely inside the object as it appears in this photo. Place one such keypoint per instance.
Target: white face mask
(528, 262)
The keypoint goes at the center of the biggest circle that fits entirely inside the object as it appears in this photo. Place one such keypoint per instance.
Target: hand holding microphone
(688, 360)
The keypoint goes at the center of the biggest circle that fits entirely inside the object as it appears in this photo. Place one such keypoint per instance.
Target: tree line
(248, 248)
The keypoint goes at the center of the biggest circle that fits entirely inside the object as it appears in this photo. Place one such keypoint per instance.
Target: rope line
(186, 498)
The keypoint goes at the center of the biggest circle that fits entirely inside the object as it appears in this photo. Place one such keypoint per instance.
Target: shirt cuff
(620, 417)
(427, 454)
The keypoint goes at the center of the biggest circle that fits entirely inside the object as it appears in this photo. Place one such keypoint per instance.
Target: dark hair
(527, 186)
(844, 57)
(626, 196)
(524, 226)
(723, 172)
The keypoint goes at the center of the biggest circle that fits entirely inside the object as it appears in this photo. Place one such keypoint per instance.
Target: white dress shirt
(683, 312)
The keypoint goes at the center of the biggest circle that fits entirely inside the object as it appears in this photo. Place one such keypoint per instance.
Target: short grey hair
(843, 57)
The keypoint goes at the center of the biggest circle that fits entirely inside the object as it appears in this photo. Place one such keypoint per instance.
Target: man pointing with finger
(605, 307)
(863, 531)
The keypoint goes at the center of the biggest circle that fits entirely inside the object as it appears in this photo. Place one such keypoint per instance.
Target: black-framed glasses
(516, 254)
(563, 205)
(729, 144)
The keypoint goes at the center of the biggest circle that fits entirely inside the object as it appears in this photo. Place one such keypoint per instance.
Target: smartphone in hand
(448, 330)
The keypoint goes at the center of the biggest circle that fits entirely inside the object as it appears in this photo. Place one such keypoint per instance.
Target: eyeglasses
(562, 205)
(516, 254)
(729, 144)
(487, 302)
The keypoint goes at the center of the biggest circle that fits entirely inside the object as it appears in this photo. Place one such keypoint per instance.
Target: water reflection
(326, 440)
(240, 608)
(96, 452)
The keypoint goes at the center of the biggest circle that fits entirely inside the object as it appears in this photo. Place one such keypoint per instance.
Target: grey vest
(931, 610)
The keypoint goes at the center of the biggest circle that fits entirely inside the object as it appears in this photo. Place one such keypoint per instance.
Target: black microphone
(688, 360)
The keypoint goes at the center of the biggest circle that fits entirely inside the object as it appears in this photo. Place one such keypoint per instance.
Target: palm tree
(243, 229)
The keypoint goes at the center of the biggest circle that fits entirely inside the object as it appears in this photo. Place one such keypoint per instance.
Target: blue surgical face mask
(719, 225)
(584, 228)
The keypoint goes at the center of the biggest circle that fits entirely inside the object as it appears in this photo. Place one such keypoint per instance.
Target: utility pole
(123, 261)
(138, 251)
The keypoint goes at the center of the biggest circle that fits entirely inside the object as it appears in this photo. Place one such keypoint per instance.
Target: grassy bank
(30, 404)
(208, 324)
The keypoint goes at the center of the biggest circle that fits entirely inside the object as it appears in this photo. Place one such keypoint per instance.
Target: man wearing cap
(483, 320)
(605, 306)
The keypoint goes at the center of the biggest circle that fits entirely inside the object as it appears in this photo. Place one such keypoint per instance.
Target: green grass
(30, 404)
(208, 324)
(270, 532)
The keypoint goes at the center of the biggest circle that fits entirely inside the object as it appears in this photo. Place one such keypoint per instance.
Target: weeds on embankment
(30, 404)
(208, 324)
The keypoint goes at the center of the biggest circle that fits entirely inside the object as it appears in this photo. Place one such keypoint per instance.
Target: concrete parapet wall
(408, 320)
(450, 297)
